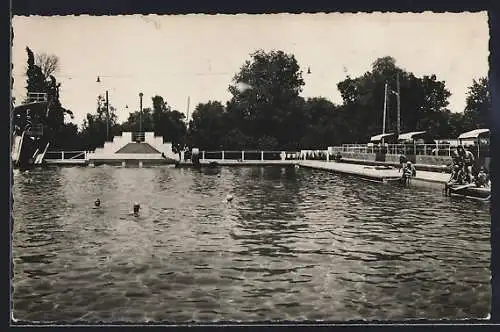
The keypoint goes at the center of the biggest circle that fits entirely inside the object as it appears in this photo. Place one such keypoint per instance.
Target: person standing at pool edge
(467, 159)
(402, 161)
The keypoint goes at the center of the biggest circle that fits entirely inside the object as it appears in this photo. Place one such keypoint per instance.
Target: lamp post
(140, 112)
(107, 110)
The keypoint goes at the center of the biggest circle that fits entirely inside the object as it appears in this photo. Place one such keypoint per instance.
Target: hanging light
(98, 79)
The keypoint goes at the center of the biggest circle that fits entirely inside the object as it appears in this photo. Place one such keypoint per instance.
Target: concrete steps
(125, 148)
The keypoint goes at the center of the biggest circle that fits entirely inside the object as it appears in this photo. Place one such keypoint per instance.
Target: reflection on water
(294, 244)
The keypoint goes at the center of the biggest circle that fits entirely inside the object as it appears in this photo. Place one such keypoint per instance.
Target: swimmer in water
(97, 202)
(136, 209)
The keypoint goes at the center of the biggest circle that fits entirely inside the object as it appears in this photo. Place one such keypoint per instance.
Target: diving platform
(128, 149)
(134, 149)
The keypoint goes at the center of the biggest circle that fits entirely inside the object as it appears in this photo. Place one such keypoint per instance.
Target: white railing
(66, 155)
(397, 149)
(249, 155)
(124, 156)
(35, 130)
(36, 97)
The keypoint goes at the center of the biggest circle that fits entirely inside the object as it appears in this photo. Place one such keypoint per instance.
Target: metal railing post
(62, 154)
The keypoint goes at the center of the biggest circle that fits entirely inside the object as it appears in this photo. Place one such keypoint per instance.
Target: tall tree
(478, 105)
(96, 126)
(424, 102)
(274, 82)
(48, 63)
(38, 83)
(208, 126)
(34, 76)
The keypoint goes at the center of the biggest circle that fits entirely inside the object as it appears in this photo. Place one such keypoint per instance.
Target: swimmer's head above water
(136, 208)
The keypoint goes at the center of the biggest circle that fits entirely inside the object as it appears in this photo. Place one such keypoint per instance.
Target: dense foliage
(266, 110)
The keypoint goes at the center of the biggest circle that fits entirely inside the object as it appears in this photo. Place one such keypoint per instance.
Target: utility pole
(140, 112)
(385, 112)
(399, 106)
(187, 110)
(107, 116)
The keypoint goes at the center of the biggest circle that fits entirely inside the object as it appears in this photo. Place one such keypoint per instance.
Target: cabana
(476, 137)
(380, 137)
(410, 136)
(407, 142)
(473, 134)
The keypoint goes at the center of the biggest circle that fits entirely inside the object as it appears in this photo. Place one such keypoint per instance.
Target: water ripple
(292, 245)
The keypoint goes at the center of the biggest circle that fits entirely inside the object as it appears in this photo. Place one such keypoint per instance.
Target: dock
(67, 162)
(374, 173)
(230, 162)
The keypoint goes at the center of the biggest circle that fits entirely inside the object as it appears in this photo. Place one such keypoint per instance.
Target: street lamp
(140, 112)
(107, 110)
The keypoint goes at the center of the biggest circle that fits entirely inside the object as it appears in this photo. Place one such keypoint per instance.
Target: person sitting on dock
(467, 159)
(482, 178)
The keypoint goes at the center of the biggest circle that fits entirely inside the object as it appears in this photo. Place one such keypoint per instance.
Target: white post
(242, 155)
(182, 156)
(62, 153)
(385, 110)
(262, 155)
(140, 164)
(327, 155)
(222, 155)
(203, 155)
(124, 164)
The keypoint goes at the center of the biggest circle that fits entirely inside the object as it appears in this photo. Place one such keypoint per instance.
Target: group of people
(462, 171)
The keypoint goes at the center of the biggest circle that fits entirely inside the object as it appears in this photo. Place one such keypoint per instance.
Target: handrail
(76, 155)
(36, 97)
(398, 149)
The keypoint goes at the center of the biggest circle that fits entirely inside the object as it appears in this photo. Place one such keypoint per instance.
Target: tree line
(266, 110)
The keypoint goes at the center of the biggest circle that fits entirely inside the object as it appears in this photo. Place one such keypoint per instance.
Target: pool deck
(375, 173)
(231, 162)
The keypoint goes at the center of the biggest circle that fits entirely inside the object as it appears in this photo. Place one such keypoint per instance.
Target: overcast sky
(197, 55)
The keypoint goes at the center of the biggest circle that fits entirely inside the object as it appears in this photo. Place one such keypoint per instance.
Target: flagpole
(399, 106)
(385, 111)
(187, 109)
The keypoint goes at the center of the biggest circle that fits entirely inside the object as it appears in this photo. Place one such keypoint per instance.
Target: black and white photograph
(178, 169)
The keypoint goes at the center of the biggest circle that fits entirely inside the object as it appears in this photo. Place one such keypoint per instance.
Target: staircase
(141, 147)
